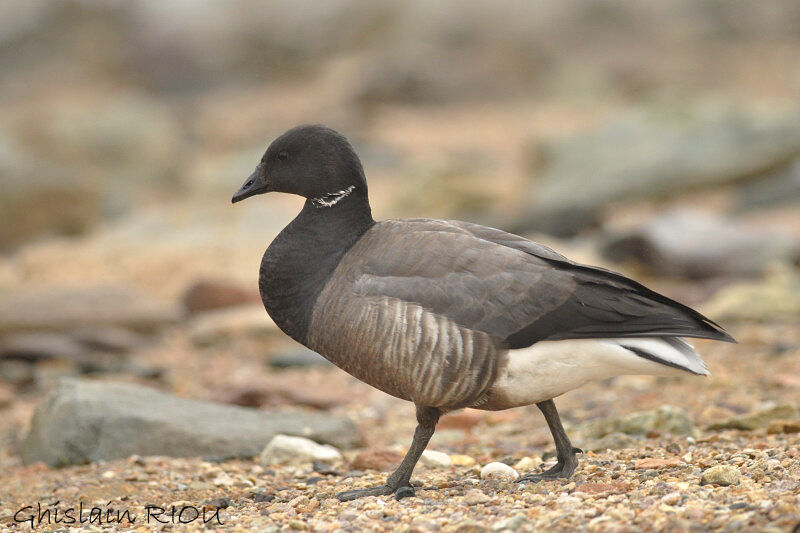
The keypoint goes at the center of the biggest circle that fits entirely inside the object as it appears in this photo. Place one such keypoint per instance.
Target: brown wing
(517, 290)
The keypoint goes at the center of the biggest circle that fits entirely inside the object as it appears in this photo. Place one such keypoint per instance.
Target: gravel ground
(655, 485)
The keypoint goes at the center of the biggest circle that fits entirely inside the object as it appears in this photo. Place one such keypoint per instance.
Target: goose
(449, 314)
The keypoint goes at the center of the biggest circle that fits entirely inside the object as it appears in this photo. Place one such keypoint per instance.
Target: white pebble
(673, 498)
(435, 459)
(223, 480)
(499, 471)
(283, 449)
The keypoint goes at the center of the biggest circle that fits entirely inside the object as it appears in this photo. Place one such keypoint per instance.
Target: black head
(315, 162)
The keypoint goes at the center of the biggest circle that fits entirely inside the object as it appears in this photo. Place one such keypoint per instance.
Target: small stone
(499, 471)
(461, 460)
(470, 526)
(434, 459)
(512, 524)
(217, 503)
(299, 501)
(673, 447)
(297, 524)
(527, 464)
(722, 475)
(325, 469)
(223, 480)
(283, 449)
(476, 497)
(673, 498)
(651, 462)
(261, 497)
(785, 508)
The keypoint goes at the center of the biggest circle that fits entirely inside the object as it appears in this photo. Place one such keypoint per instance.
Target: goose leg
(398, 483)
(564, 451)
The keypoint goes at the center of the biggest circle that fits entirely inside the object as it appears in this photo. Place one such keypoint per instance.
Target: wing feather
(516, 290)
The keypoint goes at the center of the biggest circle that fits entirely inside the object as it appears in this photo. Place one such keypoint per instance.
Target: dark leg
(564, 451)
(398, 483)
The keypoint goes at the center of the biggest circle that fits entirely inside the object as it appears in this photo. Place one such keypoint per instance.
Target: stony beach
(143, 386)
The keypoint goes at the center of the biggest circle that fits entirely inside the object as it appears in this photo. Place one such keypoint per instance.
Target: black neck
(303, 256)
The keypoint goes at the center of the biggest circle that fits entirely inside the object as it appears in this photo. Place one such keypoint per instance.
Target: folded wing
(515, 290)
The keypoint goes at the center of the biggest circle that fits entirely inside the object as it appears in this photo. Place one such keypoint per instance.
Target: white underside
(550, 368)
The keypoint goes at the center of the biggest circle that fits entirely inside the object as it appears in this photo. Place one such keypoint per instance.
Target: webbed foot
(381, 490)
(562, 469)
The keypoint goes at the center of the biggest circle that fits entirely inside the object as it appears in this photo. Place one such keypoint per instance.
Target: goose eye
(283, 156)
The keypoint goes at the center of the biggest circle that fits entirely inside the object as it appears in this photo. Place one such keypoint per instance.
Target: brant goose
(449, 314)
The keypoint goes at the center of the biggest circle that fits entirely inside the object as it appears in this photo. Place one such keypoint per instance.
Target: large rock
(298, 357)
(82, 421)
(664, 419)
(758, 419)
(654, 153)
(774, 298)
(209, 294)
(779, 187)
(54, 354)
(41, 198)
(38, 346)
(221, 325)
(62, 309)
(694, 244)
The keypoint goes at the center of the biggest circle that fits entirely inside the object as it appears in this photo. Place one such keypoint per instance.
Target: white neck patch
(332, 198)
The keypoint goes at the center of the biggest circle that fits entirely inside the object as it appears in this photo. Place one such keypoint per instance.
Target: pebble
(673, 498)
(283, 449)
(723, 475)
(300, 500)
(653, 462)
(499, 471)
(461, 460)
(527, 464)
(217, 503)
(476, 497)
(223, 480)
(512, 524)
(434, 459)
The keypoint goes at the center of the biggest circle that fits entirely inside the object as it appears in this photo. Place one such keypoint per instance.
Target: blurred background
(656, 138)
